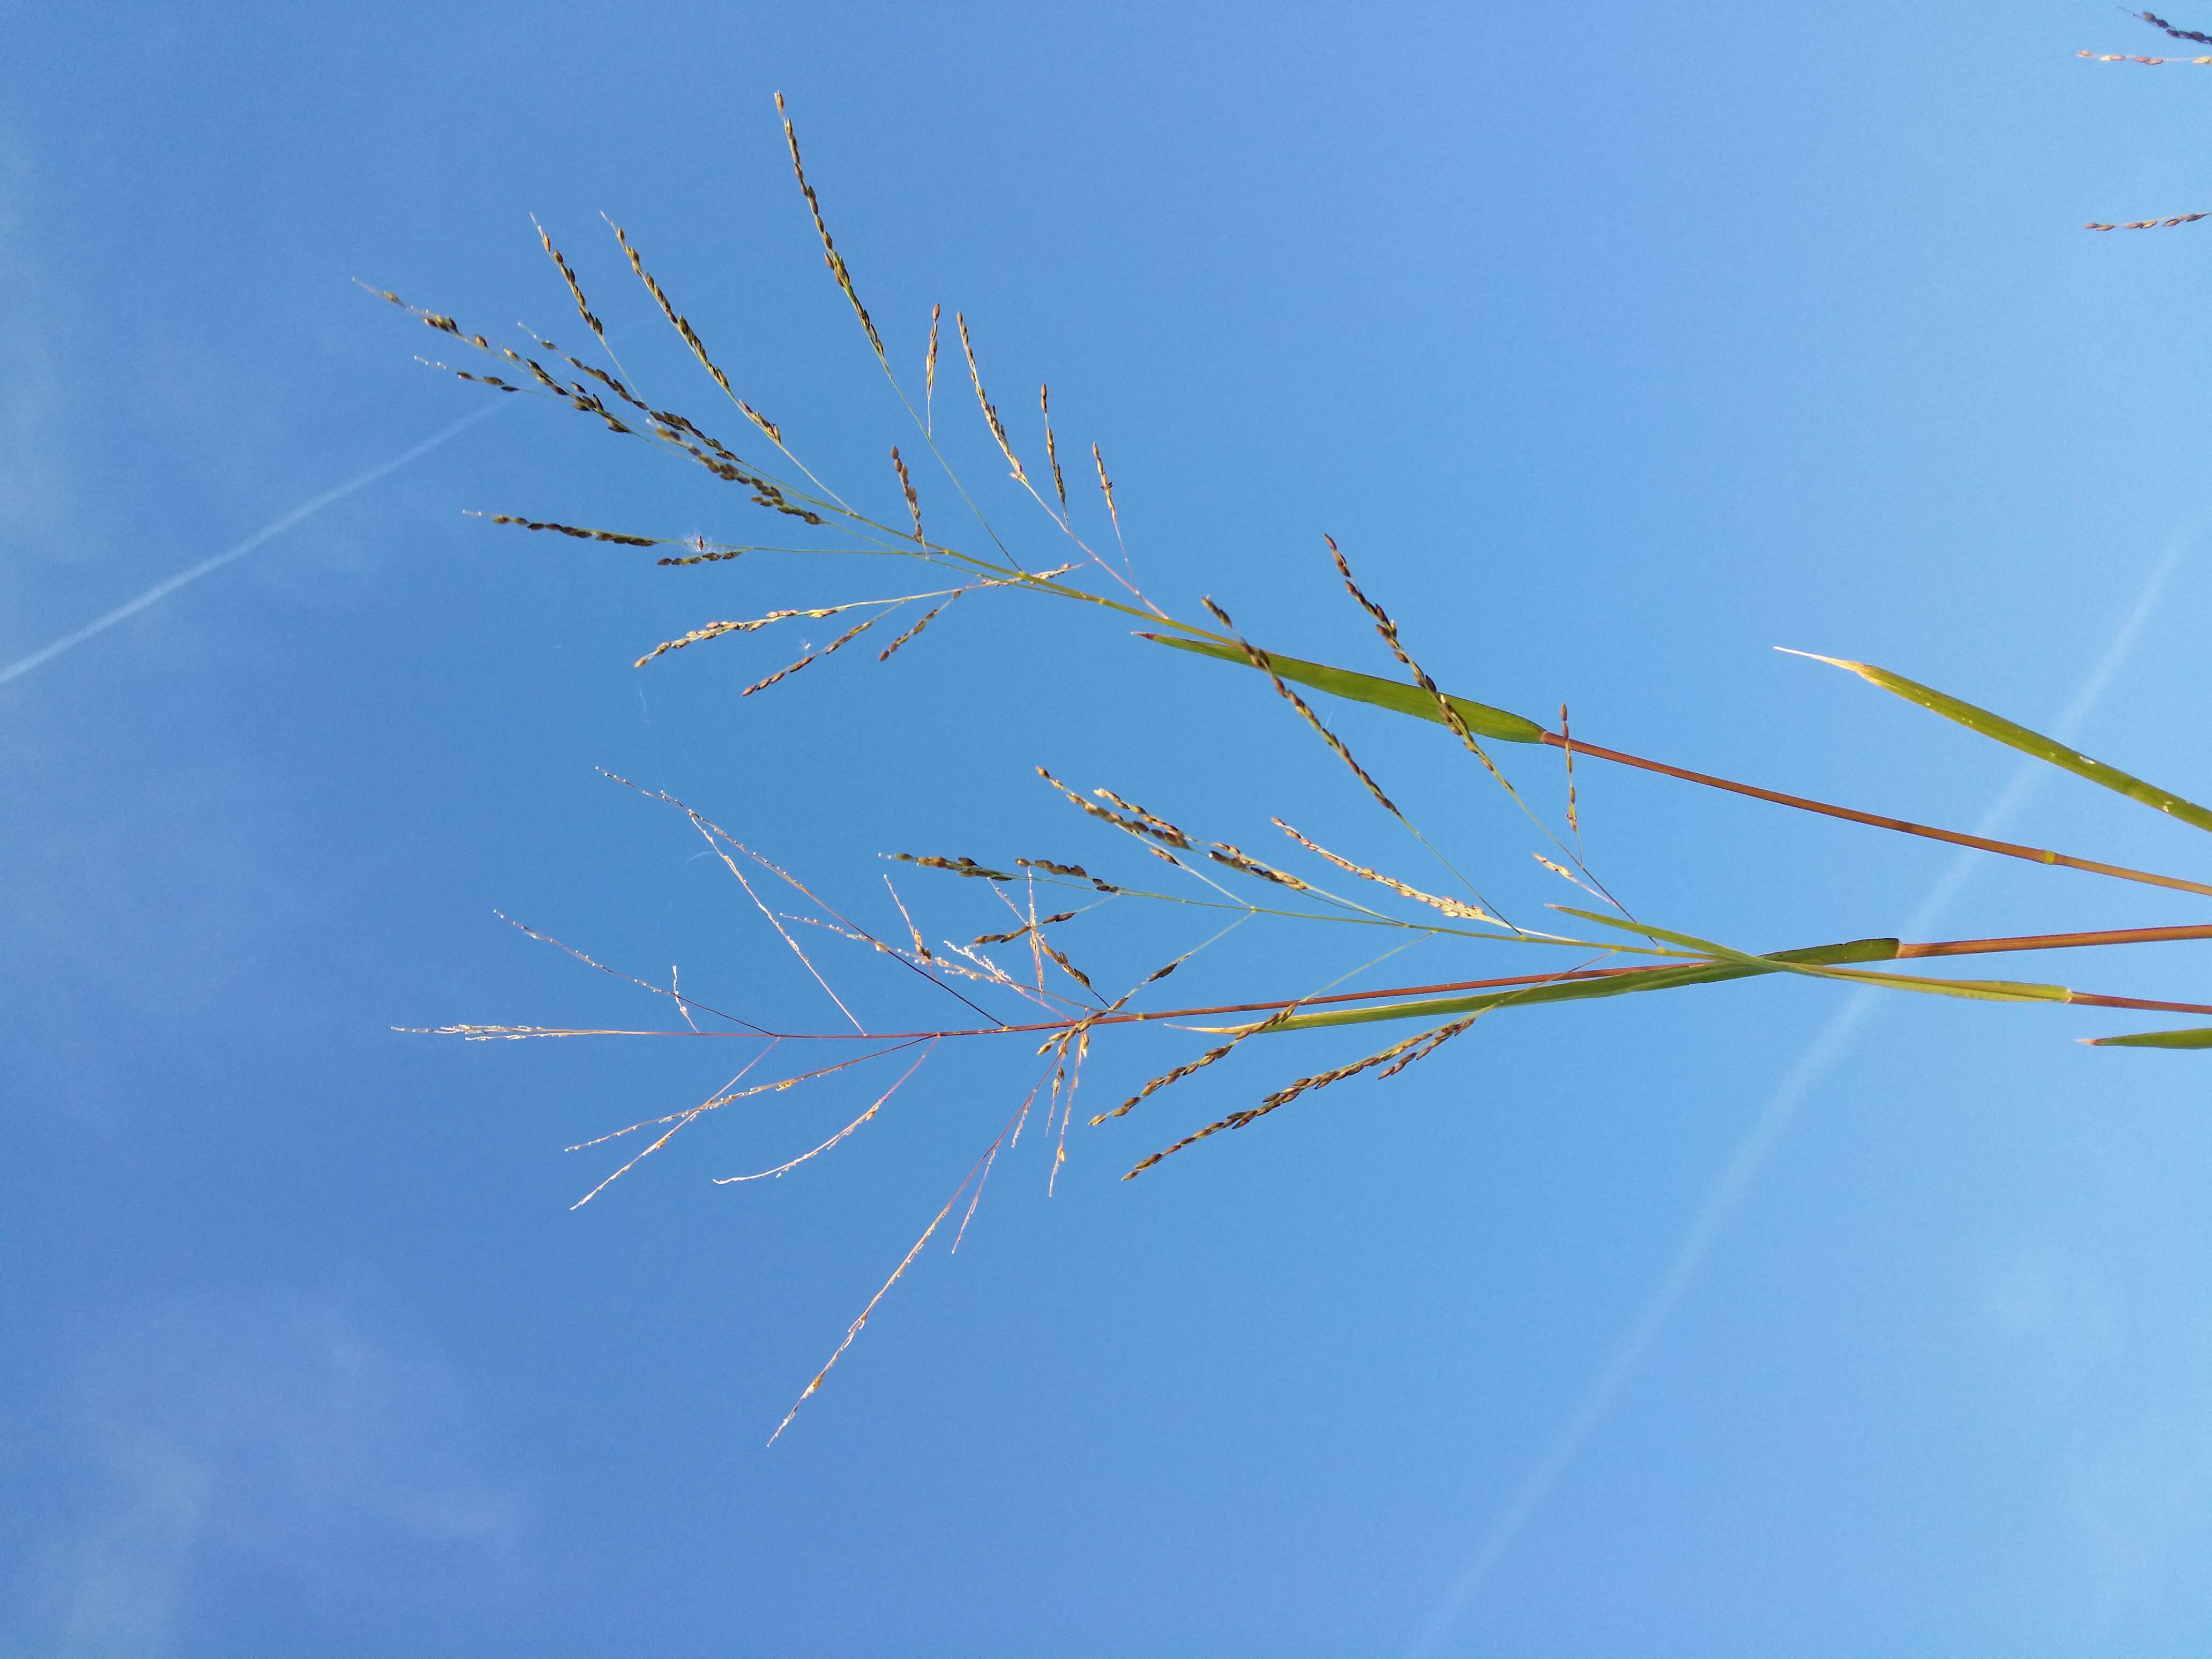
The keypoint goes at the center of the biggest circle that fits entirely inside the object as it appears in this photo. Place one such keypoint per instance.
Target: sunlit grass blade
(2195, 1036)
(1566, 990)
(1513, 728)
(2016, 736)
(1978, 990)
(1393, 695)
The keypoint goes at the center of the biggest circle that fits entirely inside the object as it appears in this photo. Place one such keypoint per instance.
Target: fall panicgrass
(1059, 1006)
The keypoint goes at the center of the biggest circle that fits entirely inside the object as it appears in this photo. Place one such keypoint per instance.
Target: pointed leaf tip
(2196, 1036)
(1998, 729)
(1814, 656)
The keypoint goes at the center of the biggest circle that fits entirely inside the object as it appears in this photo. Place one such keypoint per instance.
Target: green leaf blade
(2014, 735)
(1583, 990)
(2195, 1036)
(1820, 966)
(1499, 724)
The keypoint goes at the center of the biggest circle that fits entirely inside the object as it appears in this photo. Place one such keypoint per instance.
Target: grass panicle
(1034, 991)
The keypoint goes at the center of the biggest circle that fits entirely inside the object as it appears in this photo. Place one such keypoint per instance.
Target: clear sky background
(1616, 346)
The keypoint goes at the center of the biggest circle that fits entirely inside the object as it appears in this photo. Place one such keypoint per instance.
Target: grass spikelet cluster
(2166, 29)
(829, 254)
(2151, 224)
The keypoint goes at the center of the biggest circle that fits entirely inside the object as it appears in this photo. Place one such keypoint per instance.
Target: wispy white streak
(307, 509)
(1726, 1191)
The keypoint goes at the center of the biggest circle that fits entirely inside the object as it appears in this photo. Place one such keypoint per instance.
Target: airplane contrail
(1727, 1189)
(159, 591)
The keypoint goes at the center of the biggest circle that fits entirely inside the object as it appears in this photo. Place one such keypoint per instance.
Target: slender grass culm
(1021, 982)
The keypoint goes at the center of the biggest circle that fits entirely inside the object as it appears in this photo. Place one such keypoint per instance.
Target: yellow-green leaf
(2016, 736)
(1978, 990)
(1394, 694)
(2196, 1036)
(1579, 990)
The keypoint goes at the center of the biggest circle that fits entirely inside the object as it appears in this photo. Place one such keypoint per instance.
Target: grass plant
(1021, 982)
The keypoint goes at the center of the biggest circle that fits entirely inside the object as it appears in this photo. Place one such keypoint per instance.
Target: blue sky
(1614, 350)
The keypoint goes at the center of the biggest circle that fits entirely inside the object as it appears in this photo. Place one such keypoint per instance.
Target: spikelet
(1052, 449)
(1433, 1039)
(682, 324)
(837, 644)
(711, 631)
(921, 949)
(491, 381)
(706, 555)
(574, 394)
(1450, 906)
(1153, 823)
(929, 374)
(852, 1331)
(1236, 858)
(1567, 746)
(716, 631)
(608, 382)
(575, 289)
(990, 413)
(959, 866)
(577, 531)
(1164, 1079)
(1388, 630)
(2152, 224)
(2161, 24)
(1436, 1040)
(1052, 869)
(1143, 826)
(1260, 660)
(784, 1168)
(906, 487)
(1065, 966)
(1106, 488)
(829, 254)
(927, 616)
(2131, 57)
(1023, 931)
